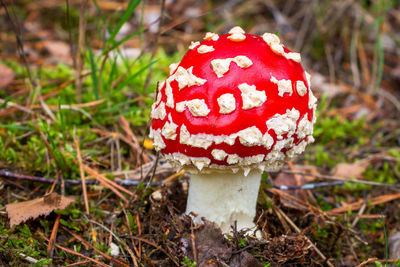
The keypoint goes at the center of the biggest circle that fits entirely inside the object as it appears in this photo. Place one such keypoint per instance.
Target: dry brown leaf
(6, 76)
(320, 83)
(289, 179)
(244, 259)
(59, 51)
(57, 48)
(22, 211)
(351, 169)
(210, 244)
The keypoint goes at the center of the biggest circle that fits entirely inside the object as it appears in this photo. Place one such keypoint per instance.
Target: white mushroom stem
(224, 198)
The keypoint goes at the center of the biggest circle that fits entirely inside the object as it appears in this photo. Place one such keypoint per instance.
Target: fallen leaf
(290, 179)
(57, 48)
(349, 170)
(6, 76)
(211, 245)
(244, 259)
(22, 211)
(320, 83)
(58, 52)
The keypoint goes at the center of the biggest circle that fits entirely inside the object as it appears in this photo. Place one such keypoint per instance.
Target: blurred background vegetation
(85, 72)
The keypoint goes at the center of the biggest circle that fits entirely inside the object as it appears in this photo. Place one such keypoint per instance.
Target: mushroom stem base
(224, 198)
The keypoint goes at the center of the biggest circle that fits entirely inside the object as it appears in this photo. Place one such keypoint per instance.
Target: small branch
(28, 258)
(68, 182)
(294, 226)
(371, 260)
(156, 246)
(148, 78)
(119, 240)
(52, 241)
(70, 39)
(82, 173)
(193, 237)
(67, 250)
(360, 212)
(79, 52)
(344, 179)
(86, 243)
(19, 43)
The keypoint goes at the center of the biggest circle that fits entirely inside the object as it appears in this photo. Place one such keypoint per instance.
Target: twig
(371, 202)
(353, 52)
(390, 97)
(376, 259)
(109, 181)
(193, 237)
(105, 182)
(44, 139)
(52, 241)
(156, 246)
(294, 226)
(140, 233)
(119, 240)
(84, 242)
(129, 230)
(331, 64)
(298, 183)
(298, 203)
(139, 149)
(360, 212)
(78, 263)
(54, 91)
(110, 236)
(154, 170)
(28, 258)
(14, 105)
(173, 176)
(116, 135)
(155, 47)
(68, 182)
(79, 52)
(19, 43)
(352, 249)
(71, 42)
(82, 173)
(305, 26)
(77, 254)
(344, 179)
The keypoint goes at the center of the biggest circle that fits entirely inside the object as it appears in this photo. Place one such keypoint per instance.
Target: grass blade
(129, 80)
(125, 17)
(126, 38)
(101, 15)
(16, 127)
(113, 72)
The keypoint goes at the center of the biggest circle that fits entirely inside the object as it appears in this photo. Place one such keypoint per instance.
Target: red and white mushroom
(236, 105)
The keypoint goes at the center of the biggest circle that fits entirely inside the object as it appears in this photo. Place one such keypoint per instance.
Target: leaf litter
(7, 75)
(32, 209)
(151, 231)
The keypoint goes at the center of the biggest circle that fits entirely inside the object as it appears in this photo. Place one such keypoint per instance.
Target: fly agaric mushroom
(236, 105)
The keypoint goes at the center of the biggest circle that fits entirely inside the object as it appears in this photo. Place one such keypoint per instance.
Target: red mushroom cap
(234, 101)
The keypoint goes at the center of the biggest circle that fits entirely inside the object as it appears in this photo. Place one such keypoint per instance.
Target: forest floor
(77, 80)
